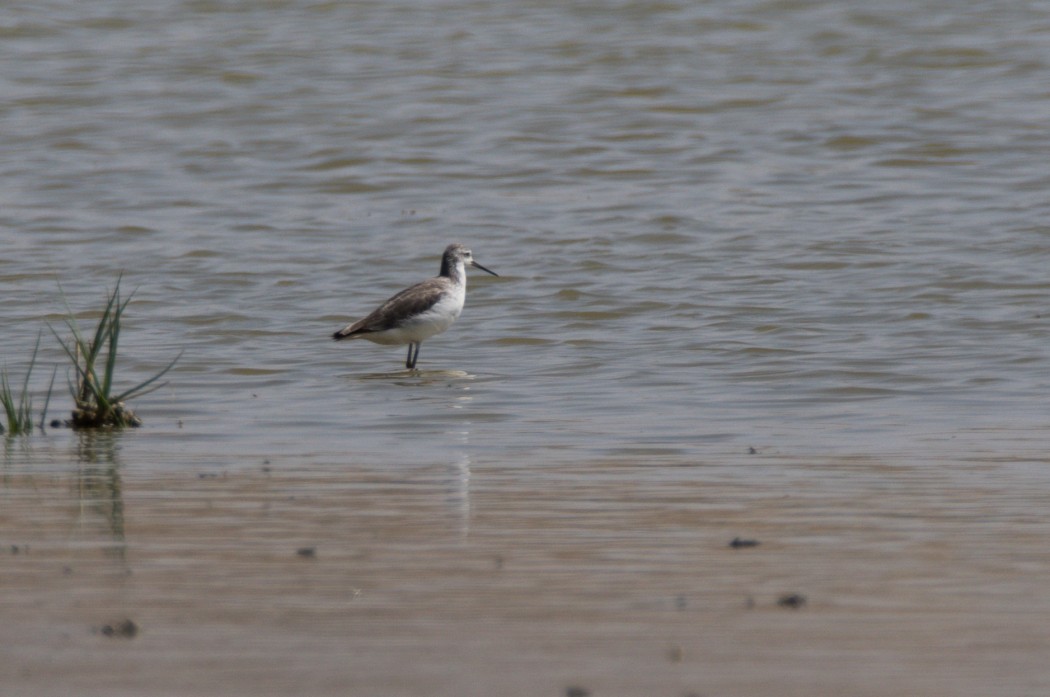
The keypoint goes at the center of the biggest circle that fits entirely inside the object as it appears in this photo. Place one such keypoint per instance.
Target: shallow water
(768, 269)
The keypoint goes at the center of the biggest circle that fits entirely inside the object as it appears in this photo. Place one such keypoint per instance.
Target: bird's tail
(343, 333)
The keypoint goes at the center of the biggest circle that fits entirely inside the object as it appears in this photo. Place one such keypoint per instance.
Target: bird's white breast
(436, 319)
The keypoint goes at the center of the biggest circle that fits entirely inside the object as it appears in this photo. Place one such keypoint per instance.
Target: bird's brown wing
(411, 301)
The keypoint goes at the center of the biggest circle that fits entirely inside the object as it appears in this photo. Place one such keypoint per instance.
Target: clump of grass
(19, 412)
(97, 403)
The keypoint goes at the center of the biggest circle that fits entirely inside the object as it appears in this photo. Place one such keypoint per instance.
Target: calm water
(815, 230)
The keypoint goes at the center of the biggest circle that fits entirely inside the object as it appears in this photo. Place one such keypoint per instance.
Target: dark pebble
(125, 630)
(307, 552)
(740, 543)
(792, 600)
(577, 691)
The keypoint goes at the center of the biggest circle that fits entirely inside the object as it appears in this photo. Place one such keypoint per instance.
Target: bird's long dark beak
(476, 265)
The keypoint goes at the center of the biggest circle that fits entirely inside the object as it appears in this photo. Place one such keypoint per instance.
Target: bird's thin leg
(410, 362)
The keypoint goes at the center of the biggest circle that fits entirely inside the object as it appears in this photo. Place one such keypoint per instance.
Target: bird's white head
(456, 257)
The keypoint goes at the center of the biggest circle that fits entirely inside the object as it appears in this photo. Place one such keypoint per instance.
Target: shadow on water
(457, 494)
(14, 449)
(411, 378)
(99, 488)
(454, 480)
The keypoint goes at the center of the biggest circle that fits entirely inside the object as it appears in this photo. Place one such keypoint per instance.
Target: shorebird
(420, 311)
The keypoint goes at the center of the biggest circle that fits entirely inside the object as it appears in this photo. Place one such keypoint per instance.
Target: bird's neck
(453, 271)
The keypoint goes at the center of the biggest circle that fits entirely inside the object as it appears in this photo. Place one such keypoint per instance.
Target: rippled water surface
(771, 269)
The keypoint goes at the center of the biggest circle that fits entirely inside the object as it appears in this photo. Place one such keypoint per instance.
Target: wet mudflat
(615, 577)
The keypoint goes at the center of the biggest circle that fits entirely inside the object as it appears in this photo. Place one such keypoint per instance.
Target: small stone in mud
(751, 450)
(740, 543)
(309, 552)
(792, 600)
(576, 691)
(124, 630)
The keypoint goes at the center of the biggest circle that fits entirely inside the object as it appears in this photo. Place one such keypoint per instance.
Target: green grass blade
(112, 337)
(82, 374)
(78, 337)
(139, 390)
(103, 327)
(47, 400)
(18, 415)
(9, 403)
(115, 312)
(25, 403)
(79, 349)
